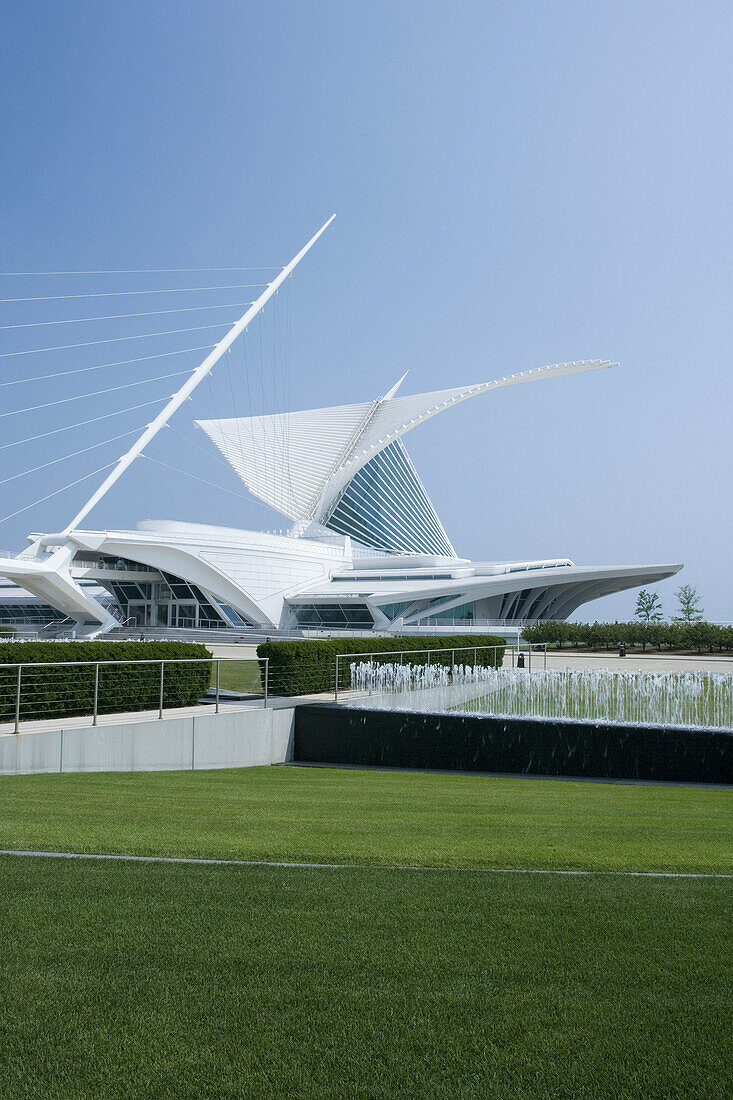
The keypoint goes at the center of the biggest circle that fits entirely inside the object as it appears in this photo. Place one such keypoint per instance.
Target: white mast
(191, 383)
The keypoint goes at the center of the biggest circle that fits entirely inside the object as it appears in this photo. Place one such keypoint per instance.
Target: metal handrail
(96, 665)
(57, 622)
(513, 647)
(133, 661)
(430, 649)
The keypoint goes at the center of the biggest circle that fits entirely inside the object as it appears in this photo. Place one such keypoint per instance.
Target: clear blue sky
(516, 184)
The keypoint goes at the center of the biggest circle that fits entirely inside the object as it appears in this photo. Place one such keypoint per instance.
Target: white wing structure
(286, 459)
(346, 468)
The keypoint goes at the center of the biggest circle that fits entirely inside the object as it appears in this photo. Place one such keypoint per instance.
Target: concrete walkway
(649, 662)
(83, 721)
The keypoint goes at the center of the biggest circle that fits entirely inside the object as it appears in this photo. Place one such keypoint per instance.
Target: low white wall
(238, 739)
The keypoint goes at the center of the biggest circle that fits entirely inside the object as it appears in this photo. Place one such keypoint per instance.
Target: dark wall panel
(331, 734)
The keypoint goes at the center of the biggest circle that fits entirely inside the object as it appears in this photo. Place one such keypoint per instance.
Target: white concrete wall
(238, 739)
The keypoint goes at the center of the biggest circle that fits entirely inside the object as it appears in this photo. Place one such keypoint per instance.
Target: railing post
(545, 656)
(218, 663)
(336, 685)
(17, 701)
(452, 663)
(162, 676)
(530, 656)
(267, 680)
(96, 693)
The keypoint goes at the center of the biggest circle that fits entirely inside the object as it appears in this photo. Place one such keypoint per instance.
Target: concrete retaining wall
(238, 739)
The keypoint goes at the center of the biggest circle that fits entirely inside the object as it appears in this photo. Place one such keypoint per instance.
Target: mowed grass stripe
(351, 866)
(130, 980)
(335, 816)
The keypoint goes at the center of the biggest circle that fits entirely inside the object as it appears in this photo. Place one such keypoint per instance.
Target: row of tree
(689, 607)
(697, 636)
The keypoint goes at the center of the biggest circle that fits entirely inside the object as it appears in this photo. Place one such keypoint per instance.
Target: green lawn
(150, 981)
(154, 981)
(241, 676)
(375, 817)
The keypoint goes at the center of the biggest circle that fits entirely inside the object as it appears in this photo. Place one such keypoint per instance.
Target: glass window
(208, 617)
(186, 615)
(385, 506)
(234, 616)
(333, 615)
(463, 612)
(29, 612)
(392, 610)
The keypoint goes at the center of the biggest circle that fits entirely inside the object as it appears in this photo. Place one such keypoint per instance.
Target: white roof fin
(390, 393)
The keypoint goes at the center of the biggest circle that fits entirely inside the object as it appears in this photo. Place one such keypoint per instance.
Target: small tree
(648, 607)
(690, 610)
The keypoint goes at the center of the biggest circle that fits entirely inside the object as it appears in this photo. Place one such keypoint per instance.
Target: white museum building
(366, 549)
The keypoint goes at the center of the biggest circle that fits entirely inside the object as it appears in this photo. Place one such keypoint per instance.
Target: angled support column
(191, 383)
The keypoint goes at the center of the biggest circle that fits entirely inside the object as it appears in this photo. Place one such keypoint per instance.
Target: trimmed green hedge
(309, 666)
(694, 636)
(61, 692)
